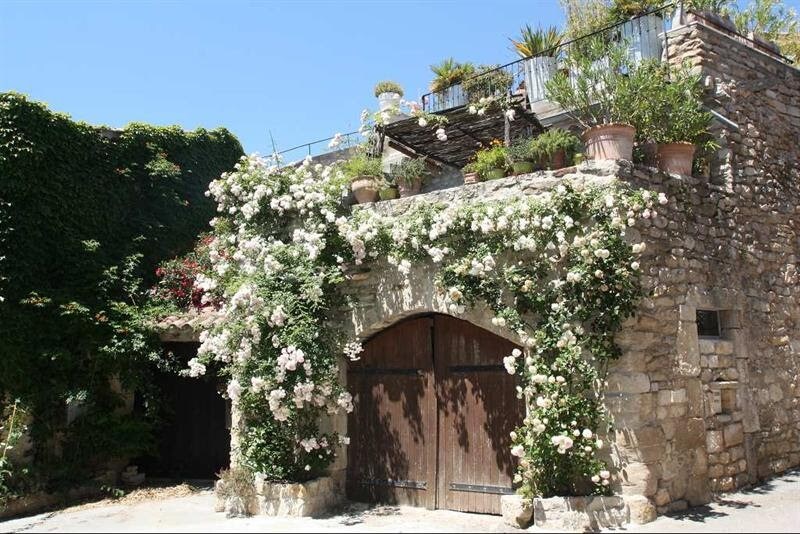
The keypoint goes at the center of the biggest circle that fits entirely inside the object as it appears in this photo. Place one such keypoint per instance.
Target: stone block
(640, 510)
(714, 441)
(309, 499)
(692, 435)
(733, 434)
(619, 382)
(650, 444)
(580, 513)
(516, 511)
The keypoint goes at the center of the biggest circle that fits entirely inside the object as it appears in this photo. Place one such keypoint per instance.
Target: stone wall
(719, 414)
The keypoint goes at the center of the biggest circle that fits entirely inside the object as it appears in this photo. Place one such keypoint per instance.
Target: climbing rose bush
(558, 271)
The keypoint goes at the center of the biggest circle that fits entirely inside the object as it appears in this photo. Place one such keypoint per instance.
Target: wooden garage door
(433, 411)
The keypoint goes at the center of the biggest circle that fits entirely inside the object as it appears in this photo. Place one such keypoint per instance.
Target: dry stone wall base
(309, 499)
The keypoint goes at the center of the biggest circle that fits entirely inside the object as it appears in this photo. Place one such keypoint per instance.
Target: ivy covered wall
(87, 213)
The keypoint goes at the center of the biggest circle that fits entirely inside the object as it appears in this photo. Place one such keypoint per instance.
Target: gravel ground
(772, 507)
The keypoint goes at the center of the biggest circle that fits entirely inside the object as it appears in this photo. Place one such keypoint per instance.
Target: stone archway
(434, 407)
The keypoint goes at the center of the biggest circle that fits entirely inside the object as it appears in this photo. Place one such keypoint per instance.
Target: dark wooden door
(433, 411)
(392, 454)
(478, 409)
(193, 440)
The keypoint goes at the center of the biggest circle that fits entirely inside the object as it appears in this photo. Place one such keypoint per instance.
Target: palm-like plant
(449, 72)
(537, 42)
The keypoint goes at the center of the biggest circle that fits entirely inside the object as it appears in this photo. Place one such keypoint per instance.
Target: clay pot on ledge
(676, 157)
(409, 189)
(471, 178)
(522, 167)
(494, 174)
(388, 193)
(365, 189)
(609, 141)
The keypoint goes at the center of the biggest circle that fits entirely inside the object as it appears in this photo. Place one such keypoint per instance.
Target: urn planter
(609, 141)
(389, 101)
(676, 157)
(365, 189)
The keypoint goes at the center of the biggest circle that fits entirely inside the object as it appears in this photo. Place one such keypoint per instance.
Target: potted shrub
(389, 95)
(676, 94)
(471, 175)
(365, 175)
(409, 175)
(600, 96)
(487, 81)
(555, 148)
(449, 74)
(541, 48)
(491, 163)
(522, 156)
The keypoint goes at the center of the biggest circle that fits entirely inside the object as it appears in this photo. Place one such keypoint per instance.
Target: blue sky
(302, 70)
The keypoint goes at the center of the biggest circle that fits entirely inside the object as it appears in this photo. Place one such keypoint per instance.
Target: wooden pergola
(466, 133)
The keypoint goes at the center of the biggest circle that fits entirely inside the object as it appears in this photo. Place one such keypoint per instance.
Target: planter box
(571, 513)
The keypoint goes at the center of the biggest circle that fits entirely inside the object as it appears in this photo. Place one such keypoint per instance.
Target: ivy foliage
(87, 213)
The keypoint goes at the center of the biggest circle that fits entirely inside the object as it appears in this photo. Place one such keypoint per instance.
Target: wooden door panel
(478, 409)
(392, 453)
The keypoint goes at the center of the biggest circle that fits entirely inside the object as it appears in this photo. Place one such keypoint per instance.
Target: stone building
(704, 398)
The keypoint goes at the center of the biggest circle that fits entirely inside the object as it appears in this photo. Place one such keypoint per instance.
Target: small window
(708, 323)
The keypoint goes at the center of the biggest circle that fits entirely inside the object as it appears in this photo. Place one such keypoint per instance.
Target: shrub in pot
(389, 95)
(675, 119)
(492, 162)
(522, 156)
(600, 93)
(555, 148)
(365, 173)
(540, 47)
(409, 175)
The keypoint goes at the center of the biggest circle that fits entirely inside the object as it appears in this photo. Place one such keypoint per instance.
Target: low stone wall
(575, 514)
(308, 499)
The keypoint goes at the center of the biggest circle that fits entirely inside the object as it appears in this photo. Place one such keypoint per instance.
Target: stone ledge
(576, 513)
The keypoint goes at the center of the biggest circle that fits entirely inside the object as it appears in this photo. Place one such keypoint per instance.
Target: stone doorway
(434, 407)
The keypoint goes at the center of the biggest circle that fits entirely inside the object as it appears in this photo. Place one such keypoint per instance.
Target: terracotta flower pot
(471, 178)
(522, 167)
(407, 190)
(495, 174)
(388, 193)
(365, 189)
(609, 141)
(676, 157)
(556, 161)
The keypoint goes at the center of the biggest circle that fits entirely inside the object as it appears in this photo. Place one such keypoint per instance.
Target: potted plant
(675, 93)
(521, 156)
(600, 96)
(555, 148)
(387, 189)
(470, 172)
(491, 163)
(365, 175)
(449, 74)
(389, 95)
(488, 81)
(409, 175)
(714, 11)
(540, 47)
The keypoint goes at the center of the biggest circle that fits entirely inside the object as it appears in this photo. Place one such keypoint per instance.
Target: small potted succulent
(492, 162)
(540, 47)
(389, 95)
(446, 87)
(522, 156)
(555, 148)
(600, 96)
(365, 175)
(409, 175)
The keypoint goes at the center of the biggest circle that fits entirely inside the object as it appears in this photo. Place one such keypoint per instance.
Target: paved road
(773, 507)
